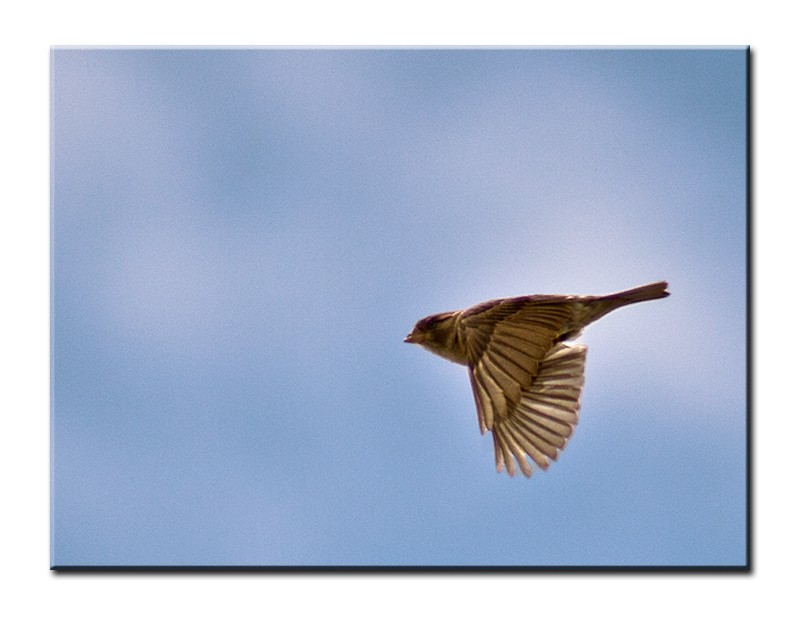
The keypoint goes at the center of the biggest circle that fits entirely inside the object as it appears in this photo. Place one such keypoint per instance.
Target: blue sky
(241, 239)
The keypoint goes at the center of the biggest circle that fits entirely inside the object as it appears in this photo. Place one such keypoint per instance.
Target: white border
(35, 592)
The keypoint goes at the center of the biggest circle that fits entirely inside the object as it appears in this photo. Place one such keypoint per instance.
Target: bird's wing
(541, 423)
(506, 342)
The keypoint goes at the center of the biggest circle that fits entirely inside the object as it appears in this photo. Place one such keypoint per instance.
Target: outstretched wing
(541, 422)
(506, 342)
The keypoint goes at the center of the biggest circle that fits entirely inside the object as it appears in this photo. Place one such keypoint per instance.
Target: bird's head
(429, 328)
(437, 333)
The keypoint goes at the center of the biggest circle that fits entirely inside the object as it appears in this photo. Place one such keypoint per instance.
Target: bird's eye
(432, 323)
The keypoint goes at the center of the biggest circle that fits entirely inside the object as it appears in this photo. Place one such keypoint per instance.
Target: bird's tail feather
(656, 290)
(604, 304)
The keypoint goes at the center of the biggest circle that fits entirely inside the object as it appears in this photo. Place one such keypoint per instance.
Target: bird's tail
(656, 290)
(603, 304)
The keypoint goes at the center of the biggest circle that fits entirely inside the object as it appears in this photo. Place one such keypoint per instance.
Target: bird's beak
(412, 338)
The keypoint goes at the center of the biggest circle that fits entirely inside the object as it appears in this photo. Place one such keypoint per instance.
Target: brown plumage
(525, 379)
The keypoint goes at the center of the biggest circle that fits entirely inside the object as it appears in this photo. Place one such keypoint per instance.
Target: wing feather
(507, 458)
(544, 447)
(525, 382)
(505, 377)
(509, 438)
(481, 404)
(542, 422)
(534, 450)
(510, 367)
(529, 335)
(538, 432)
(486, 381)
(515, 353)
(498, 455)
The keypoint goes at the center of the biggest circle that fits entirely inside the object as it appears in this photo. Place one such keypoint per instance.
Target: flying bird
(526, 377)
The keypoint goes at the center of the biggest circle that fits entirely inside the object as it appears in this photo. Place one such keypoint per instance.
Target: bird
(525, 372)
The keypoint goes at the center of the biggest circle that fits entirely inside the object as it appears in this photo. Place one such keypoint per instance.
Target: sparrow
(526, 375)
